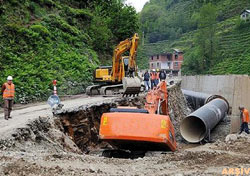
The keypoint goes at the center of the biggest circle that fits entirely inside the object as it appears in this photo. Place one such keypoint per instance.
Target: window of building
(176, 64)
(158, 65)
(157, 56)
(152, 57)
(176, 56)
(152, 65)
(169, 56)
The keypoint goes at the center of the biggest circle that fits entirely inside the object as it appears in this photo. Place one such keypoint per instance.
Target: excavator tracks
(107, 90)
(93, 90)
(112, 90)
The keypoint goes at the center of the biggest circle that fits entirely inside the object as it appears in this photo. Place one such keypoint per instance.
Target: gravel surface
(35, 142)
(209, 159)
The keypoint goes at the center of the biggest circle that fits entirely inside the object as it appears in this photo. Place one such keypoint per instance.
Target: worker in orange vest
(245, 119)
(152, 78)
(157, 79)
(8, 92)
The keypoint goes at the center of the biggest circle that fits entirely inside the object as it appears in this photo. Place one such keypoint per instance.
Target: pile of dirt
(178, 108)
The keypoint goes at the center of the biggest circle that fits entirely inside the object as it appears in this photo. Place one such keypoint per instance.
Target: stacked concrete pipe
(197, 126)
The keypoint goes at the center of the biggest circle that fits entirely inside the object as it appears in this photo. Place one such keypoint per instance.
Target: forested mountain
(42, 40)
(211, 34)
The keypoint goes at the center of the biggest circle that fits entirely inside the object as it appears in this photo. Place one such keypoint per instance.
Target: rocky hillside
(42, 40)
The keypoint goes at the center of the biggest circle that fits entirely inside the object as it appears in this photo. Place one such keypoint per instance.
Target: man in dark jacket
(146, 77)
(162, 75)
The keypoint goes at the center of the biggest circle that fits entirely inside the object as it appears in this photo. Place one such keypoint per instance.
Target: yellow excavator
(121, 77)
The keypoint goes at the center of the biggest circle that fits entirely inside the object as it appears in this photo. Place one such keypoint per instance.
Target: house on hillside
(245, 15)
(169, 61)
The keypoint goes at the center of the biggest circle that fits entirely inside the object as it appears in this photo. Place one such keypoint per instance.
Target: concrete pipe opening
(193, 129)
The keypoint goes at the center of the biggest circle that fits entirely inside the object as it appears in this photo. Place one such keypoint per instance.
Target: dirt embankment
(178, 108)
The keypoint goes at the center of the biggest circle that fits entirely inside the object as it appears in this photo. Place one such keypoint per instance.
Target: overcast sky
(138, 4)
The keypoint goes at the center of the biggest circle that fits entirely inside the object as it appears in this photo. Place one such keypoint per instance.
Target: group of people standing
(152, 78)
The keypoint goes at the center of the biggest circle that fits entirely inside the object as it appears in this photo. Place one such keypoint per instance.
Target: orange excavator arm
(157, 100)
(132, 44)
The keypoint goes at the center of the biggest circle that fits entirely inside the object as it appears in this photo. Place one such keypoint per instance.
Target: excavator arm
(117, 69)
(157, 100)
(132, 55)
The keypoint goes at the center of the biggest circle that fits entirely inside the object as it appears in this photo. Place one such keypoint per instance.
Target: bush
(242, 24)
(42, 30)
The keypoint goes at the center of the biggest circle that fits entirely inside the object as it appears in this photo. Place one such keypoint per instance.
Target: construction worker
(146, 77)
(8, 92)
(157, 77)
(152, 78)
(244, 114)
(163, 75)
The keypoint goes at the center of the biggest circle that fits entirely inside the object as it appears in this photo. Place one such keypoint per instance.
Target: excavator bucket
(138, 131)
(131, 85)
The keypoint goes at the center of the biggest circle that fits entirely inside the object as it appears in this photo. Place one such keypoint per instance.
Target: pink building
(170, 62)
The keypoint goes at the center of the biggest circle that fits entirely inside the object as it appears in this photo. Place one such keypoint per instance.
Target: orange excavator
(148, 129)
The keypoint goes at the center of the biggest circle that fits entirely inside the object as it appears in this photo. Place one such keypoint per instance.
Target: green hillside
(42, 40)
(231, 35)
(234, 51)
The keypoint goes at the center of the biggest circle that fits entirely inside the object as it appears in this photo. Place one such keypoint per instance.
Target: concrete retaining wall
(235, 88)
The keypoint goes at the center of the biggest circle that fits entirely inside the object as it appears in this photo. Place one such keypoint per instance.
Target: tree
(206, 40)
(122, 19)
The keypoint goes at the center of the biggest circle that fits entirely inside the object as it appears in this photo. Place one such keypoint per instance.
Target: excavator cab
(104, 73)
(125, 63)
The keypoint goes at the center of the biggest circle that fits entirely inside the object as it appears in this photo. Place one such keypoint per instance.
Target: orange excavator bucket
(138, 131)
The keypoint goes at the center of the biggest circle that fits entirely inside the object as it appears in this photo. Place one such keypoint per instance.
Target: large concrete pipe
(196, 126)
(198, 99)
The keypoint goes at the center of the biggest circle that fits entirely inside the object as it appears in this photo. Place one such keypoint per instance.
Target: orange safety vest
(157, 75)
(245, 116)
(153, 76)
(9, 91)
